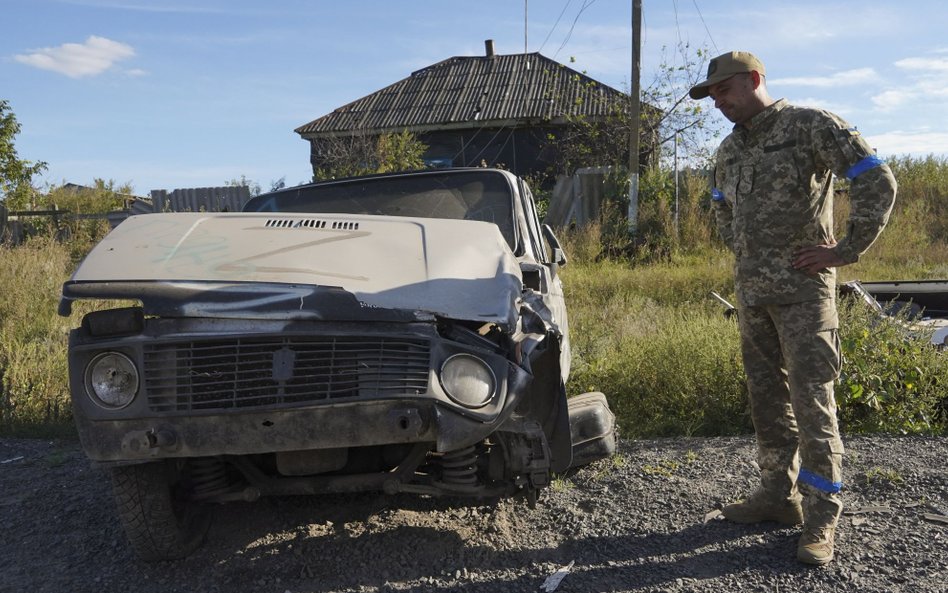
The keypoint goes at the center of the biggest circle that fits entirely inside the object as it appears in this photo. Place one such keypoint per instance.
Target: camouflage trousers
(792, 359)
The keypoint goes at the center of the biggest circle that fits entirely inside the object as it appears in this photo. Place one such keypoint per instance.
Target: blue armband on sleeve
(870, 162)
(717, 195)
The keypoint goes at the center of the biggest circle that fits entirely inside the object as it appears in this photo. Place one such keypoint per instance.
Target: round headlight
(112, 380)
(468, 380)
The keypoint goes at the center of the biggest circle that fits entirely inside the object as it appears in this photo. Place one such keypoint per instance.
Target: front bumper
(324, 426)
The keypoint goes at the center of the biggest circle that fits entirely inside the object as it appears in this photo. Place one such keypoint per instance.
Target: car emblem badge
(283, 362)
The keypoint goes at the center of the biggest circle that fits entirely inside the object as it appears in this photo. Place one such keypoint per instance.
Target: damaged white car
(395, 333)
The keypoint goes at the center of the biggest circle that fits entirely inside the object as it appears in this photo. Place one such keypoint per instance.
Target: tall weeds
(643, 327)
(645, 332)
(33, 339)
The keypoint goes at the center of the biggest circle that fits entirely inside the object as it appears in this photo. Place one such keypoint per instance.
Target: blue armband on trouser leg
(819, 482)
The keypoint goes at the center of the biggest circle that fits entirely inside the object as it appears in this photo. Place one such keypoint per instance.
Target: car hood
(303, 266)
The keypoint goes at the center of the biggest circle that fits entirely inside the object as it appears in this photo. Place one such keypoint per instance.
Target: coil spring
(460, 467)
(208, 477)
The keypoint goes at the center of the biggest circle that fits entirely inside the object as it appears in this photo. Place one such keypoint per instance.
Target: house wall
(526, 151)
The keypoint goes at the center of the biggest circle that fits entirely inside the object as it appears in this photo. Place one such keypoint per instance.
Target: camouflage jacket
(773, 193)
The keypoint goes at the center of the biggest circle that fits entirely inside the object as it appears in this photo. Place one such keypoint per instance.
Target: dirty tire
(158, 523)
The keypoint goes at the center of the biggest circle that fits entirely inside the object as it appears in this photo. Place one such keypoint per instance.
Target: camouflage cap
(725, 66)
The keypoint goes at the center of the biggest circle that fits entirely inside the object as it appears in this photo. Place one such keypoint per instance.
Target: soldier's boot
(821, 512)
(764, 506)
(816, 545)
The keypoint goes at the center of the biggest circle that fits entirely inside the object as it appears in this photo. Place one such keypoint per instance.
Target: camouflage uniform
(774, 194)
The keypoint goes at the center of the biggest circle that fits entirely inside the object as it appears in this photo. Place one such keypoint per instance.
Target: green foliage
(666, 118)
(893, 379)
(651, 339)
(103, 196)
(78, 232)
(660, 231)
(33, 339)
(885, 475)
(400, 152)
(16, 175)
(643, 329)
(644, 332)
(252, 186)
(363, 154)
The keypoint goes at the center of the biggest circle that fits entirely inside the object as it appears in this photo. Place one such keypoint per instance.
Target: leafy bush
(893, 379)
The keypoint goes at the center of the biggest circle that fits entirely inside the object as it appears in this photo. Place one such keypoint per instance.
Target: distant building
(493, 109)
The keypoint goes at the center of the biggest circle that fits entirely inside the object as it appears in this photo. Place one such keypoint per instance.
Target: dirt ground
(639, 522)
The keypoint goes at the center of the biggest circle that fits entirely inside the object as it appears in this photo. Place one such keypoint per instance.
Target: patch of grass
(608, 466)
(883, 474)
(55, 458)
(665, 468)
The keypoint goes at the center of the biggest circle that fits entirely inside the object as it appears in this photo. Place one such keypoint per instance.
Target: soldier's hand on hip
(817, 258)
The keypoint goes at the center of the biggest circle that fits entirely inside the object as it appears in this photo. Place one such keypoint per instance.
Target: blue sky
(166, 94)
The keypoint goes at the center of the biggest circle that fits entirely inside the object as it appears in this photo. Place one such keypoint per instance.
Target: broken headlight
(112, 380)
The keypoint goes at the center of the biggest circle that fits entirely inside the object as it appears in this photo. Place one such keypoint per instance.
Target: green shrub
(893, 379)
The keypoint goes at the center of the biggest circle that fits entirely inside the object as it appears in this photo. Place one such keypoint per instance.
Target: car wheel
(159, 521)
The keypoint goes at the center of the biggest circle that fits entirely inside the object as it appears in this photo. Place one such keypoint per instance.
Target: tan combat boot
(762, 506)
(816, 545)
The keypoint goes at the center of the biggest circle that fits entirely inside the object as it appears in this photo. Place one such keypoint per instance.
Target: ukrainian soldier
(773, 202)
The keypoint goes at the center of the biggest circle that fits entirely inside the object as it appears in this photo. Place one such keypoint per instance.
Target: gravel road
(638, 522)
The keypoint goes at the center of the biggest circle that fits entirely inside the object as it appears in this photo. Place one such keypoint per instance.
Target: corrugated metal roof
(464, 91)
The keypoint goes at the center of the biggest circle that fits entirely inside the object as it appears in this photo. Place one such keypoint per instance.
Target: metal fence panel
(201, 199)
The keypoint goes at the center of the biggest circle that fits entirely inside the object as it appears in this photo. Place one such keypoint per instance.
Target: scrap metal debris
(936, 518)
(553, 581)
(870, 509)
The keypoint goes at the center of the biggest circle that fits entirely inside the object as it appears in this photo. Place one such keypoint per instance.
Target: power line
(716, 50)
(586, 4)
(562, 12)
(677, 24)
(487, 145)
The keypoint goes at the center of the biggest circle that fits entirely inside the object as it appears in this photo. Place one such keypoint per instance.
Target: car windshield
(467, 195)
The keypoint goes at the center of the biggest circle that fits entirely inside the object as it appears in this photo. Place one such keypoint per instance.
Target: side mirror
(558, 256)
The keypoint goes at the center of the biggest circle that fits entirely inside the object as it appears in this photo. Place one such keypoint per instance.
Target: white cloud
(76, 60)
(924, 87)
(918, 143)
(844, 78)
(891, 99)
(931, 65)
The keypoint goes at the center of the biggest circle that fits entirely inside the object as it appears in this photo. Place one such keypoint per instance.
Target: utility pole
(634, 133)
(525, 26)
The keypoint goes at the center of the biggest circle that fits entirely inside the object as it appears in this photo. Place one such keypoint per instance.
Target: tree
(16, 175)
(678, 118)
(364, 153)
(666, 115)
(252, 186)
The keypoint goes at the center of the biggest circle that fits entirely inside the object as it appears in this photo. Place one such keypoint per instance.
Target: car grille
(244, 372)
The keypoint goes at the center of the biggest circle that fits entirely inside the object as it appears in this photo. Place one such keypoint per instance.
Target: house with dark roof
(506, 110)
